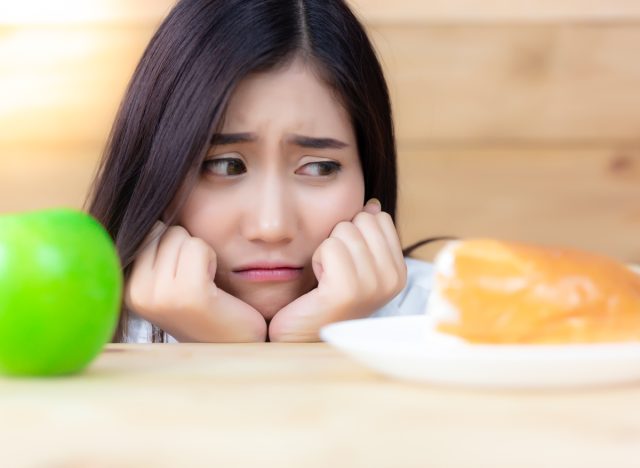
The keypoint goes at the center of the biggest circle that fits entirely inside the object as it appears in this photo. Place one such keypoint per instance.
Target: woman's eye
(321, 168)
(225, 166)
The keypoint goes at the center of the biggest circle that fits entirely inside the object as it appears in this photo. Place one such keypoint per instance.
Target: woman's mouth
(264, 273)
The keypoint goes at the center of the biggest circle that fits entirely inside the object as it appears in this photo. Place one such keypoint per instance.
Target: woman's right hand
(172, 285)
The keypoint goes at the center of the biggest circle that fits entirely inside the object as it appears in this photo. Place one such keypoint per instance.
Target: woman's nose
(270, 217)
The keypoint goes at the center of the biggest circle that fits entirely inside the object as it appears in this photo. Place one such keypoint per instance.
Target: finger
(377, 242)
(393, 240)
(197, 261)
(336, 263)
(373, 206)
(168, 253)
(146, 259)
(141, 276)
(361, 255)
(316, 265)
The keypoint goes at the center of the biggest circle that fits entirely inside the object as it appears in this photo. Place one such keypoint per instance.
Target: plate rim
(479, 352)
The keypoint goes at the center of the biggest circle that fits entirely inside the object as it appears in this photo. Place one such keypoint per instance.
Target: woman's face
(281, 174)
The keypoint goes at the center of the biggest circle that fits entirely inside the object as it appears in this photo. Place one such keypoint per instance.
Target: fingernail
(158, 226)
(373, 206)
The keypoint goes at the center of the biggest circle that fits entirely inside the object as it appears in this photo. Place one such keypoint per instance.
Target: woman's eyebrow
(231, 138)
(303, 141)
(316, 143)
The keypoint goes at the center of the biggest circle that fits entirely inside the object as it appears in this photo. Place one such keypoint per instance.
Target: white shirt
(411, 300)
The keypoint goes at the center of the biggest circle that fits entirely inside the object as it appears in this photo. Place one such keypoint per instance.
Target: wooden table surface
(299, 405)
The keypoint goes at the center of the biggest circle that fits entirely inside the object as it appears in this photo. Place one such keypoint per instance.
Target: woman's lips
(269, 274)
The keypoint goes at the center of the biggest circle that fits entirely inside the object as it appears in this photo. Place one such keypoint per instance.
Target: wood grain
(582, 197)
(496, 11)
(292, 405)
(479, 84)
(531, 84)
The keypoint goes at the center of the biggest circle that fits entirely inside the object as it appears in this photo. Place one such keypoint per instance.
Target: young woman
(250, 178)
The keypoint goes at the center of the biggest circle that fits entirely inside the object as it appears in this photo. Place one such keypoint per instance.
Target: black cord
(407, 250)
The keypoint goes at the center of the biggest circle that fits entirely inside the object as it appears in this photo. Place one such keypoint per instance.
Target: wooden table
(299, 405)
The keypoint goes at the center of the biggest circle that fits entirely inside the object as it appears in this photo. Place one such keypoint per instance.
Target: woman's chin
(268, 299)
(270, 305)
(268, 311)
(268, 314)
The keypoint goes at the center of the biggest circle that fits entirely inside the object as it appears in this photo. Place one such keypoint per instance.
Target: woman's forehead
(291, 99)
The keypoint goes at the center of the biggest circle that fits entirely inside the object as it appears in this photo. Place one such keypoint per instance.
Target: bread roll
(490, 291)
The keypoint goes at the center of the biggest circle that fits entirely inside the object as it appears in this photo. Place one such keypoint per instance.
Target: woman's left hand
(359, 267)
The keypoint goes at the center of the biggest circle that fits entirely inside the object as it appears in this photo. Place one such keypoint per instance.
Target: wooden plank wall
(518, 120)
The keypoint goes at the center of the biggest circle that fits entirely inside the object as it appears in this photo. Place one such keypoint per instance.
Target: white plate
(405, 347)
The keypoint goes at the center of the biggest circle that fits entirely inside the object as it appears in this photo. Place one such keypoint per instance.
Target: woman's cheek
(324, 211)
(208, 216)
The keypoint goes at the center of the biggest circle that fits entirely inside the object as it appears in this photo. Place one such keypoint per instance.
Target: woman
(250, 177)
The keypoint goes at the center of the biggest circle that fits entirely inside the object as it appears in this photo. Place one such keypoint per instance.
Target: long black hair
(180, 89)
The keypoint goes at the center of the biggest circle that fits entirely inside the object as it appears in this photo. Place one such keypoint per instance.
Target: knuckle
(386, 217)
(392, 285)
(197, 242)
(388, 290)
(362, 248)
(332, 244)
(156, 231)
(399, 283)
(213, 253)
(403, 276)
(157, 299)
(363, 217)
(394, 288)
(177, 231)
(343, 227)
(136, 298)
(200, 245)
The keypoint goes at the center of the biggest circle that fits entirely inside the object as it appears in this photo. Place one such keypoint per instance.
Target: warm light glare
(53, 12)
(35, 79)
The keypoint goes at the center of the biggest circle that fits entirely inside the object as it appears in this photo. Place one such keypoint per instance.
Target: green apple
(60, 291)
